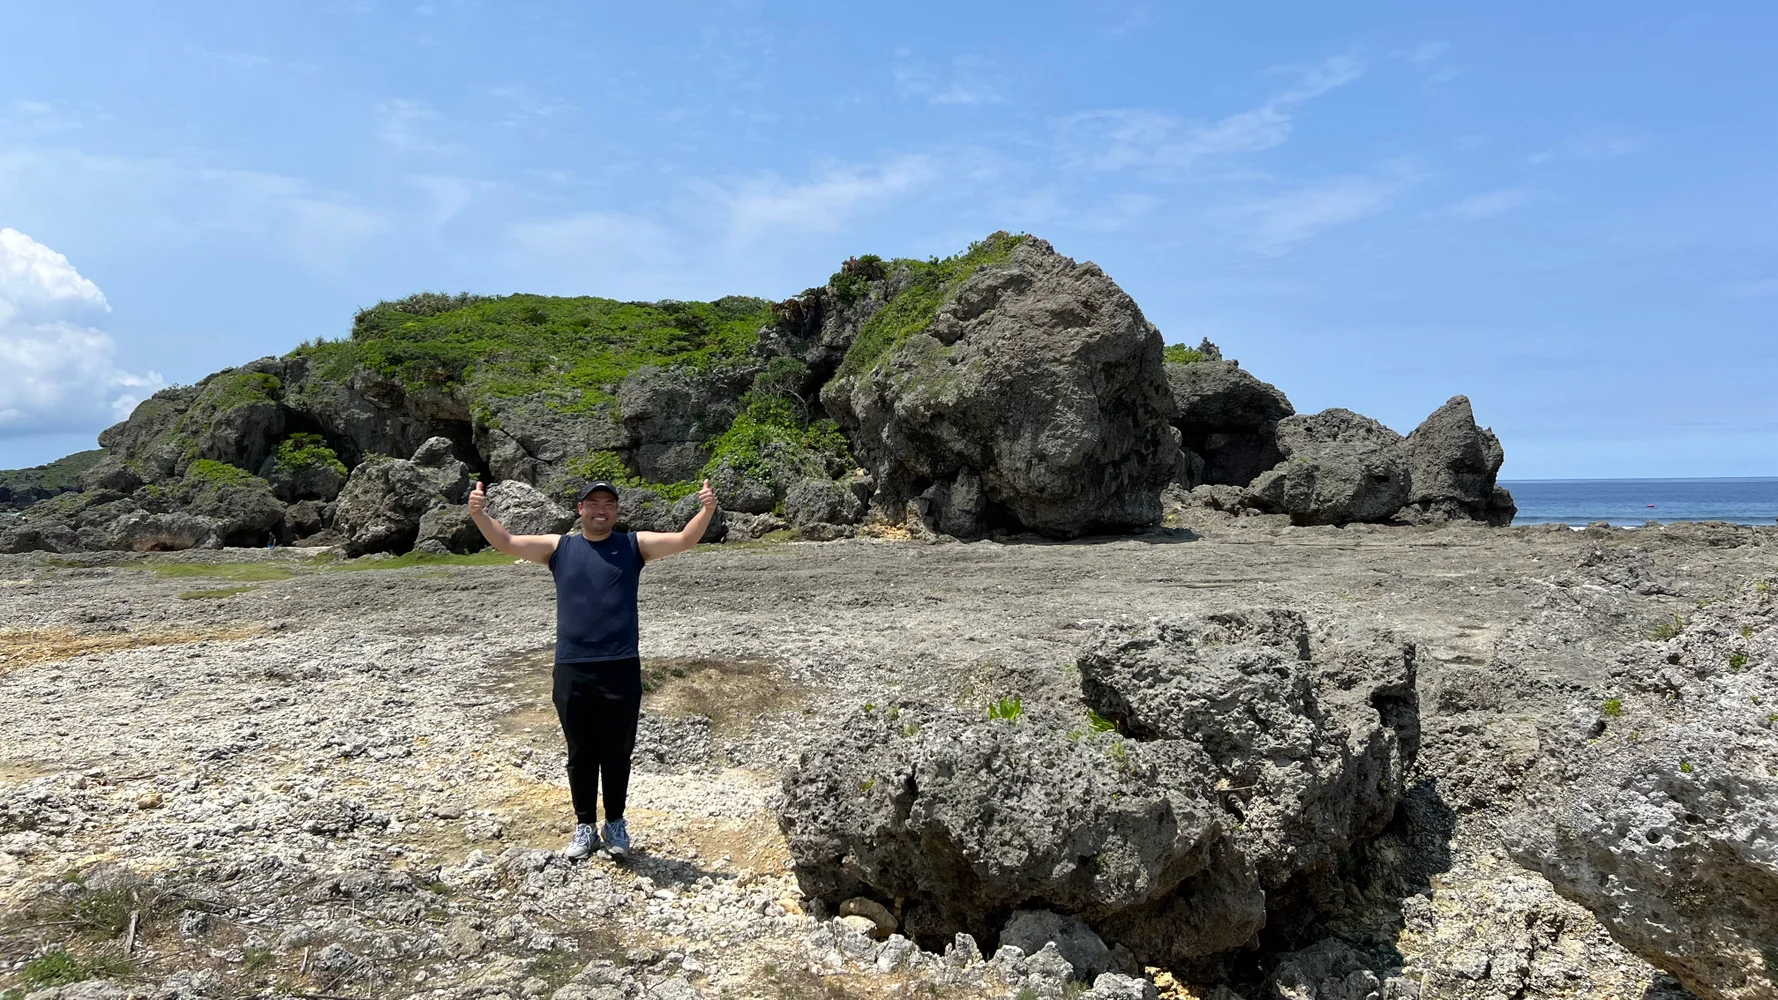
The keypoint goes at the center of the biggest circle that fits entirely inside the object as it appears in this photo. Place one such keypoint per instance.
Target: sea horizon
(1635, 502)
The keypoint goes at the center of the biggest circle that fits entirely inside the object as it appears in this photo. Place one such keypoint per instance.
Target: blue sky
(1566, 211)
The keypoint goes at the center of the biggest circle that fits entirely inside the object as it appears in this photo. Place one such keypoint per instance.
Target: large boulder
(524, 510)
(448, 528)
(535, 438)
(1665, 820)
(1339, 467)
(821, 501)
(381, 506)
(1452, 464)
(1252, 750)
(673, 413)
(112, 473)
(1227, 418)
(240, 504)
(170, 532)
(1035, 375)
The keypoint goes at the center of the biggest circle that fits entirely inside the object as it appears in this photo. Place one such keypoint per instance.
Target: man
(598, 675)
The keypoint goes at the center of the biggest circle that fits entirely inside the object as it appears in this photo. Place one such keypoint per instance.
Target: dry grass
(730, 693)
(23, 647)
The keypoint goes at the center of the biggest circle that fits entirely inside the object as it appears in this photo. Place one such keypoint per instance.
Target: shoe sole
(573, 855)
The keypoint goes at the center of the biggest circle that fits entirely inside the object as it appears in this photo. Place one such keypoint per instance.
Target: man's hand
(477, 500)
(707, 497)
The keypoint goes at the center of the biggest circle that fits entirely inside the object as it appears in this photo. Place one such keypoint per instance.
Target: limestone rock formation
(524, 510)
(1252, 749)
(1035, 375)
(1228, 419)
(1452, 465)
(821, 501)
(1666, 826)
(1339, 467)
(381, 506)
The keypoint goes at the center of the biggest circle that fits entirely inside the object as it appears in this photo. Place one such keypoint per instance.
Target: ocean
(1638, 501)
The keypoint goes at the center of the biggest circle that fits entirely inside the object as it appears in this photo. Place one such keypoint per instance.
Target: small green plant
(253, 572)
(258, 959)
(1737, 662)
(1667, 630)
(1118, 753)
(1685, 767)
(870, 706)
(1074, 735)
(893, 713)
(1763, 587)
(867, 784)
(59, 968)
(1006, 709)
(910, 729)
(1100, 723)
(1180, 354)
(1612, 708)
(1772, 716)
(1747, 631)
(221, 592)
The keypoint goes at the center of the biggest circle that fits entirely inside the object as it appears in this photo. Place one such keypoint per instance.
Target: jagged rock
(1228, 418)
(381, 506)
(1308, 731)
(821, 501)
(306, 518)
(1031, 930)
(144, 532)
(751, 526)
(1111, 986)
(524, 510)
(111, 473)
(532, 438)
(1330, 969)
(241, 505)
(643, 510)
(51, 537)
(673, 414)
(1040, 377)
(741, 493)
(450, 527)
(1339, 467)
(1452, 465)
(1666, 823)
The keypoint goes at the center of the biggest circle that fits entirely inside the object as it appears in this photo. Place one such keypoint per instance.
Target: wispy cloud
(971, 80)
(1274, 224)
(1487, 205)
(1594, 144)
(762, 206)
(524, 107)
(238, 60)
(406, 126)
(597, 252)
(1125, 139)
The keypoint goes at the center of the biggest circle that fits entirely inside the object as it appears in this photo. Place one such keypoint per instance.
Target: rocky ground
(253, 772)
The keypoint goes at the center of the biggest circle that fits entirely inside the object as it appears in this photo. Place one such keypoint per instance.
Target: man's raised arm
(660, 544)
(534, 548)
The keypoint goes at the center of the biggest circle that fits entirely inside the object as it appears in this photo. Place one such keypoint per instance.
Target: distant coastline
(1632, 502)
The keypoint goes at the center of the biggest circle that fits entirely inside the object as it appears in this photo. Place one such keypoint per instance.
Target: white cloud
(1492, 203)
(406, 126)
(1427, 52)
(56, 374)
(970, 81)
(1273, 225)
(596, 253)
(1123, 139)
(764, 206)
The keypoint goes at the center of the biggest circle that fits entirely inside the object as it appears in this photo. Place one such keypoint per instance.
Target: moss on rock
(929, 283)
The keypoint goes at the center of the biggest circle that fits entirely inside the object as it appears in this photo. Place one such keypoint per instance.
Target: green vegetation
(1180, 354)
(486, 557)
(1006, 709)
(1667, 630)
(1685, 767)
(257, 959)
(609, 466)
(930, 284)
(61, 474)
(516, 345)
(198, 595)
(1612, 708)
(1100, 723)
(1737, 662)
(254, 572)
(772, 433)
(205, 471)
(59, 968)
(233, 389)
(299, 452)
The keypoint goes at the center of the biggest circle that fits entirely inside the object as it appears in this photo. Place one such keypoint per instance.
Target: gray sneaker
(584, 843)
(617, 839)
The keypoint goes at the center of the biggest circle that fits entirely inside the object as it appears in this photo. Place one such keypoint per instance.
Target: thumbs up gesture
(477, 498)
(707, 496)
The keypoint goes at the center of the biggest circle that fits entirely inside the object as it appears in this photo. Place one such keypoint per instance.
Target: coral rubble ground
(267, 773)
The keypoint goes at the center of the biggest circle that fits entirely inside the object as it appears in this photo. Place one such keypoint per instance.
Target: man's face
(599, 512)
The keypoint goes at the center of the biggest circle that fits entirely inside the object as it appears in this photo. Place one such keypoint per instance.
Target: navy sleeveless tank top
(596, 597)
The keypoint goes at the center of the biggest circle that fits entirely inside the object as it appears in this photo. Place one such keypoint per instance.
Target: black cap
(594, 487)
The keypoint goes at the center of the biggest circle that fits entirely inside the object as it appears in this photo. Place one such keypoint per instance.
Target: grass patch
(1737, 662)
(1667, 630)
(486, 557)
(1006, 709)
(253, 572)
(1612, 708)
(219, 593)
(22, 647)
(57, 967)
(1180, 354)
(257, 960)
(930, 284)
(516, 345)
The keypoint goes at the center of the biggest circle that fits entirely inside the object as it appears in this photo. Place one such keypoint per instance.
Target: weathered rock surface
(673, 414)
(1228, 419)
(1666, 824)
(448, 526)
(1252, 749)
(1452, 465)
(816, 501)
(524, 510)
(1339, 467)
(381, 506)
(1041, 378)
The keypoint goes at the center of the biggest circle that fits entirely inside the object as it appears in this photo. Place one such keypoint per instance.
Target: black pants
(598, 704)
